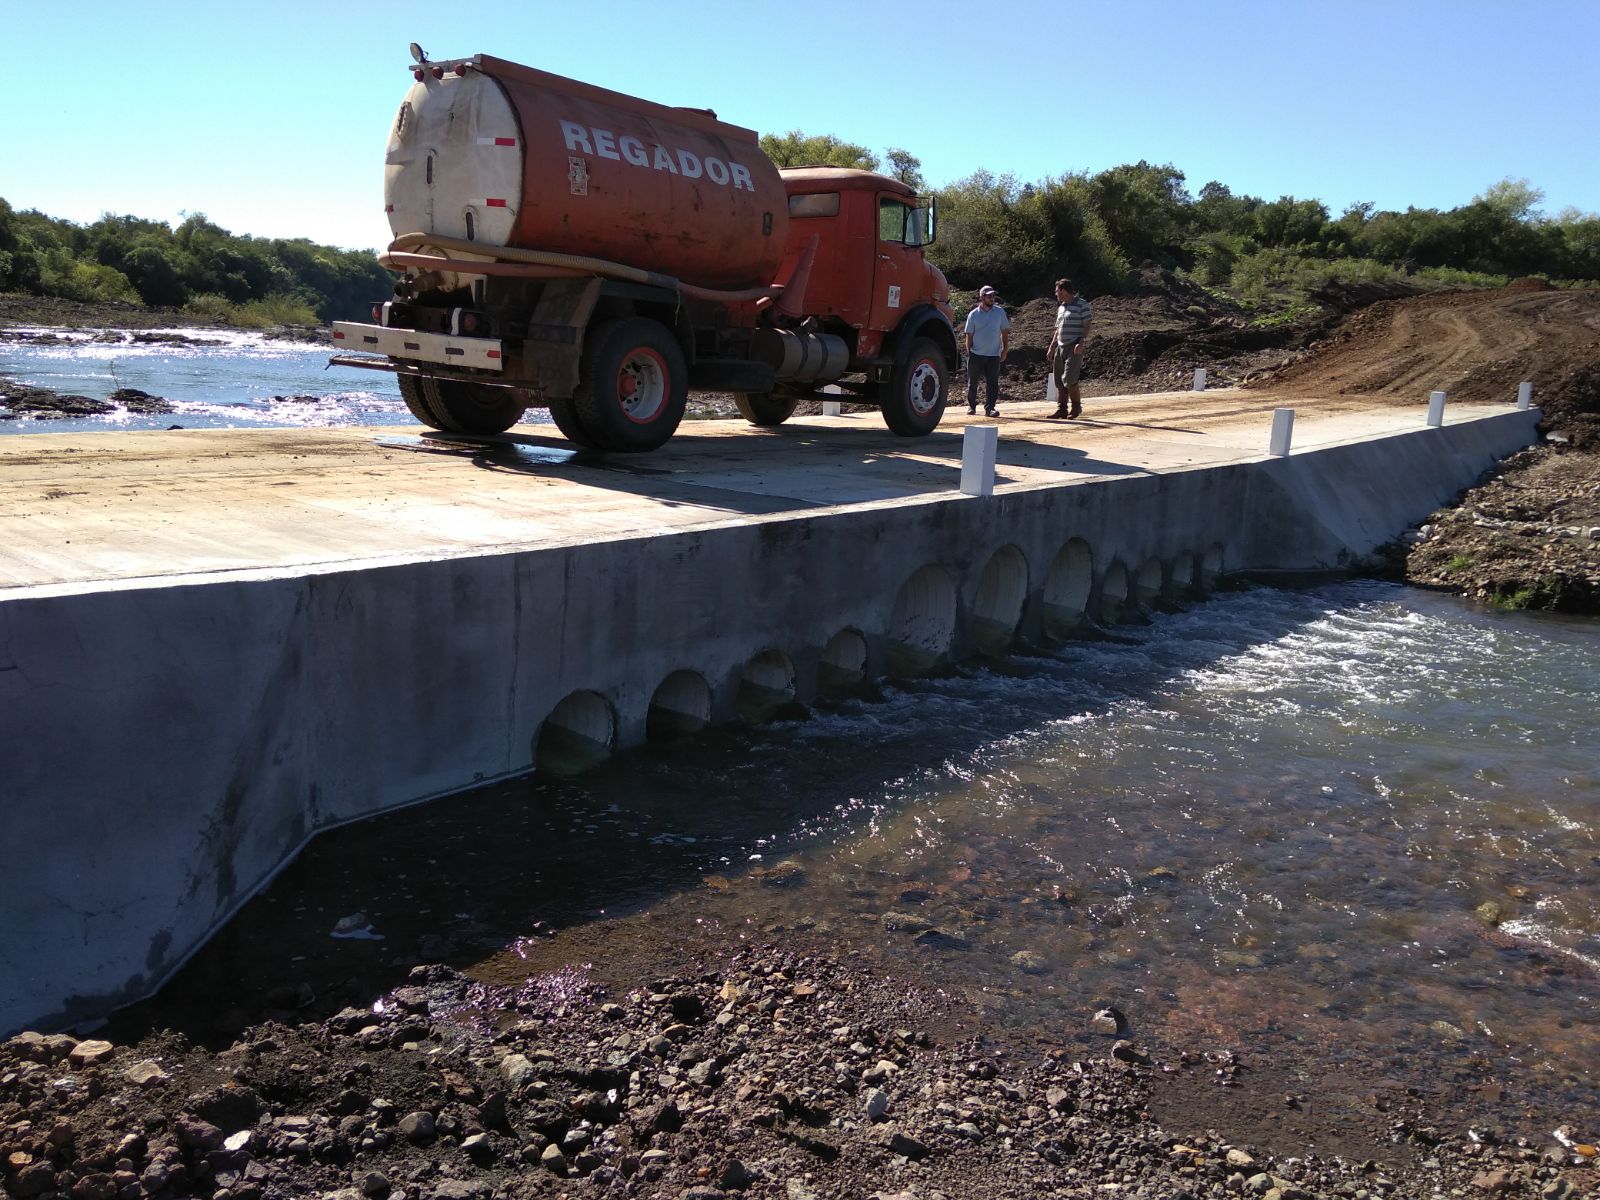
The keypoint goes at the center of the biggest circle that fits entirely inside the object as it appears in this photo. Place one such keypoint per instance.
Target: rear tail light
(438, 72)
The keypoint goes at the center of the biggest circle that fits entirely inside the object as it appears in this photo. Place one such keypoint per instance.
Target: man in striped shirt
(1066, 348)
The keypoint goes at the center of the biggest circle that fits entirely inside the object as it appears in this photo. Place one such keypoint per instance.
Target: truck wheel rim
(642, 384)
(924, 388)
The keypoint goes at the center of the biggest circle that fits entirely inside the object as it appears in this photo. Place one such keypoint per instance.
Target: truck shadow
(790, 468)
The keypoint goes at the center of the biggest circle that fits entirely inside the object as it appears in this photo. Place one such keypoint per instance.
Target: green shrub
(1455, 277)
(208, 306)
(279, 309)
(266, 313)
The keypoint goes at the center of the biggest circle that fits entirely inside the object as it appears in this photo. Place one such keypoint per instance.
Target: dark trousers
(989, 365)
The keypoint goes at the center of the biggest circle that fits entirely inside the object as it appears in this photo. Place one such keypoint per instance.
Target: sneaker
(1077, 411)
(1060, 414)
(973, 411)
(991, 412)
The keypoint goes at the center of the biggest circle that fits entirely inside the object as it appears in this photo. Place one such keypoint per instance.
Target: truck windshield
(909, 224)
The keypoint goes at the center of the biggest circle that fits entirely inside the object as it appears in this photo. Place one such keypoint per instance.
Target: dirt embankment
(1529, 535)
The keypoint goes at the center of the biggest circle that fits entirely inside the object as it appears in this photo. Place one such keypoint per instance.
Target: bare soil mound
(1154, 335)
(1476, 346)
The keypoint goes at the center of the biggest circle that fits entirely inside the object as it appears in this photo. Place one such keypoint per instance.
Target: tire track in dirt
(1475, 345)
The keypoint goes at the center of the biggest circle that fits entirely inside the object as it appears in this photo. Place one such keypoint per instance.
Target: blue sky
(271, 119)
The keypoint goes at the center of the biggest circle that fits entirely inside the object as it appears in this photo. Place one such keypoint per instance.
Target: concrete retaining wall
(165, 749)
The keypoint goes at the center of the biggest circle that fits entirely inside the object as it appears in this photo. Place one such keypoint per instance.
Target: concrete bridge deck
(214, 644)
(84, 510)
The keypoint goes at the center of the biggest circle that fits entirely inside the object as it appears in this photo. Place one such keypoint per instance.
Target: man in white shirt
(988, 335)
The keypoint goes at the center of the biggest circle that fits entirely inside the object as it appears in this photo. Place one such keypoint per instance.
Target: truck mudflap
(483, 354)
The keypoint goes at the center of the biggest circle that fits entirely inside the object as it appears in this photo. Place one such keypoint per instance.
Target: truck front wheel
(915, 398)
(765, 408)
(633, 384)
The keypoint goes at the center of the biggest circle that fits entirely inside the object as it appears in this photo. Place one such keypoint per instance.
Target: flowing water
(213, 379)
(1360, 819)
(1270, 819)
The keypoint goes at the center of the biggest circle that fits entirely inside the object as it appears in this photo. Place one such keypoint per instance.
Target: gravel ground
(770, 1074)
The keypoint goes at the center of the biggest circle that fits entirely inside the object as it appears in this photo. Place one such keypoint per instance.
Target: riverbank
(1529, 535)
(758, 1072)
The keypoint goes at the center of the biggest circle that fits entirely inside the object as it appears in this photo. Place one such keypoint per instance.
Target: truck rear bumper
(483, 354)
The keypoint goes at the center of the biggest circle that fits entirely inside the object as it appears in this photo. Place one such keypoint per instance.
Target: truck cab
(871, 283)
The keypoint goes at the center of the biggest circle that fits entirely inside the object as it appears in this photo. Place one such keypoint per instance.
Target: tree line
(1097, 227)
(198, 266)
(995, 229)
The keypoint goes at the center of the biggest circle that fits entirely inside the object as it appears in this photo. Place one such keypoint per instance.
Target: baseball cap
(986, 290)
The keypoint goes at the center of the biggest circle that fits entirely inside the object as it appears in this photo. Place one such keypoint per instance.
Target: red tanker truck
(568, 247)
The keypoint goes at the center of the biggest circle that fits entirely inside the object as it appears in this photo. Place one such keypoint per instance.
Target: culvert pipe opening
(997, 608)
(579, 732)
(1182, 578)
(1148, 583)
(1067, 589)
(767, 689)
(1113, 605)
(923, 625)
(680, 707)
(842, 669)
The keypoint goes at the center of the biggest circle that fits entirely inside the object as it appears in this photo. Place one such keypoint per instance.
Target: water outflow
(1362, 815)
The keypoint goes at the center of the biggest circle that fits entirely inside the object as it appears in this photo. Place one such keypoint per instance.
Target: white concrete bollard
(1199, 379)
(1282, 430)
(830, 407)
(1436, 409)
(979, 445)
(1524, 394)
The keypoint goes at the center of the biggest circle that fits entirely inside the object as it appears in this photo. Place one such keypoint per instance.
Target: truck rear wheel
(915, 398)
(765, 408)
(565, 416)
(411, 391)
(633, 384)
(474, 407)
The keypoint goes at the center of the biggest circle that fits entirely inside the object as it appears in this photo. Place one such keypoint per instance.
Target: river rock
(137, 401)
(905, 922)
(877, 1105)
(91, 1053)
(145, 1074)
(1030, 962)
(417, 1127)
(516, 1070)
(553, 1160)
(44, 404)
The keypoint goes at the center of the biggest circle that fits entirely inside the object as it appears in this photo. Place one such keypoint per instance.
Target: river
(1281, 821)
(1358, 819)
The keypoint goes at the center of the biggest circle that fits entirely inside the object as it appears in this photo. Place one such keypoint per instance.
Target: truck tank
(490, 151)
